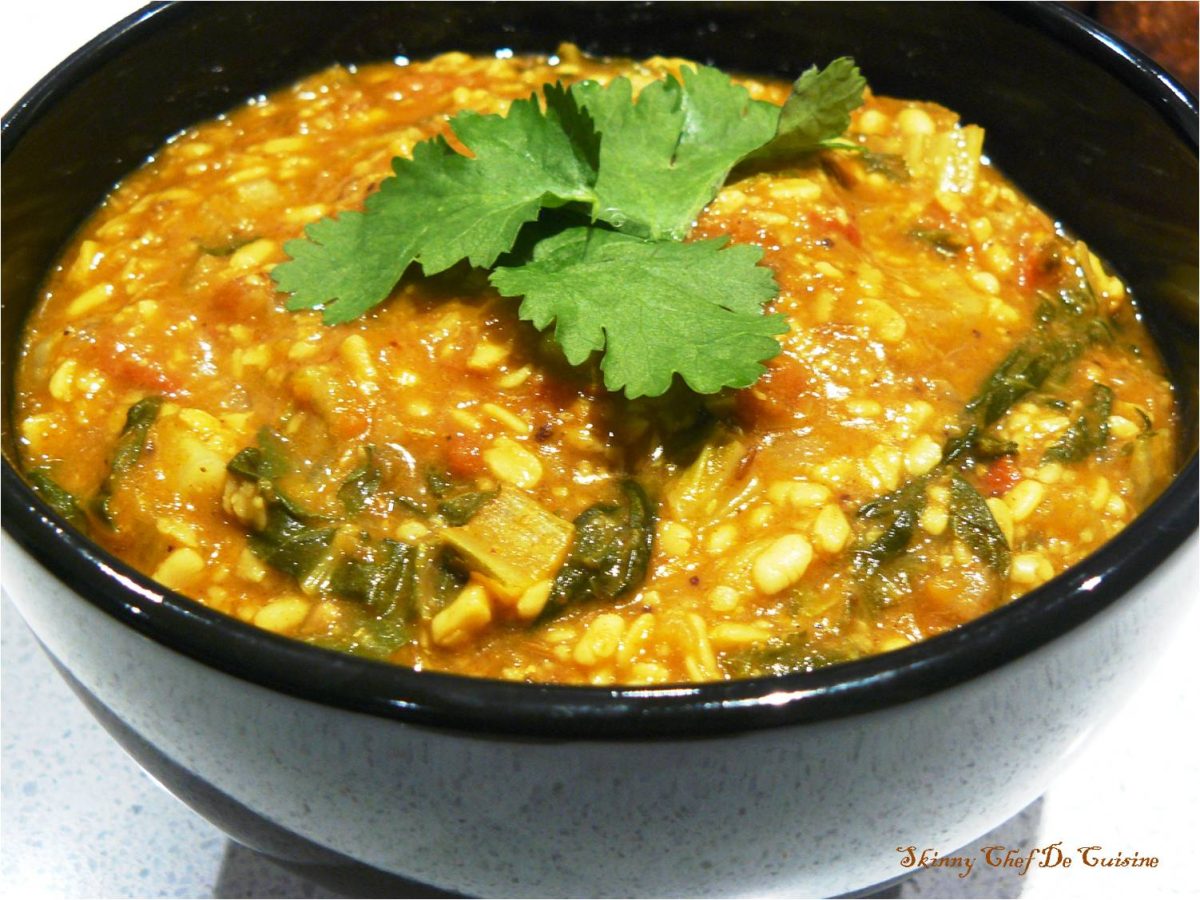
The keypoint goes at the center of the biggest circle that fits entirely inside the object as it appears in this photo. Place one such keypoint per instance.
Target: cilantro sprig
(611, 271)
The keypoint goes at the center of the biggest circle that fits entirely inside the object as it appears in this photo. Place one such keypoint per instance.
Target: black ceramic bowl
(798, 784)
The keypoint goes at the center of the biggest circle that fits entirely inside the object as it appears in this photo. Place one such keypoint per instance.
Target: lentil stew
(964, 406)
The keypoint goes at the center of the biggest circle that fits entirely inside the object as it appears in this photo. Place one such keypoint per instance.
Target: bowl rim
(490, 706)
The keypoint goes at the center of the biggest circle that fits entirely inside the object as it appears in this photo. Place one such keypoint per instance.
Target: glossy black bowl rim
(557, 711)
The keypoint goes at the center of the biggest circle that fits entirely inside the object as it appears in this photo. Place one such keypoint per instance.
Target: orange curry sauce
(440, 449)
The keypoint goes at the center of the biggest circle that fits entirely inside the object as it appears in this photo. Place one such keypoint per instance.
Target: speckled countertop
(79, 819)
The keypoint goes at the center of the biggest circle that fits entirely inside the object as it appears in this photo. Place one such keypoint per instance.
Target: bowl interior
(1093, 133)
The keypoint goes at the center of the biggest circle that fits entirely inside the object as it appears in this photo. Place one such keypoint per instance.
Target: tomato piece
(131, 370)
(1001, 475)
(773, 400)
(349, 423)
(464, 457)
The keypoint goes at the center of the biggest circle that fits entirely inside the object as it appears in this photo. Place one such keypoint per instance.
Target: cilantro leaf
(664, 157)
(654, 308)
(817, 111)
(441, 207)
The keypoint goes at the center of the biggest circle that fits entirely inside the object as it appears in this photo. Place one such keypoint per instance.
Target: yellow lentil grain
(63, 380)
(292, 144)
(512, 463)
(253, 255)
(1120, 427)
(601, 639)
(885, 463)
(998, 259)
(1050, 473)
(921, 455)
(356, 353)
(882, 320)
(800, 494)
(1023, 498)
(781, 564)
(635, 638)
(531, 603)
(892, 642)
(250, 567)
(411, 531)
(486, 356)
(515, 378)
(874, 122)
(866, 409)
(934, 519)
(649, 673)
(91, 299)
(986, 282)
(831, 529)
(732, 635)
(1002, 513)
(179, 569)
(86, 260)
(675, 539)
(723, 599)
(1031, 568)
(469, 612)
(981, 229)
(179, 531)
(509, 420)
(703, 659)
(796, 189)
(284, 615)
(914, 121)
(721, 539)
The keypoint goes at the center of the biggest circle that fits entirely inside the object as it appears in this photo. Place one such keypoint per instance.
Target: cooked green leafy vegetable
(312, 549)
(939, 240)
(1088, 433)
(973, 523)
(895, 515)
(1064, 324)
(130, 444)
(290, 538)
(610, 553)
(266, 464)
(362, 484)
(780, 655)
(383, 580)
(461, 509)
(228, 248)
(890, 165)
(458, 501)
(628, 176)
(58, 498)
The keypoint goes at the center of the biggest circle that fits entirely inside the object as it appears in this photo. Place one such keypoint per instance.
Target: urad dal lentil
(413, 485)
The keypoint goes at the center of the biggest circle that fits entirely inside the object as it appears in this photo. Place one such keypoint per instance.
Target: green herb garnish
(689, 308)
(628, 177)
